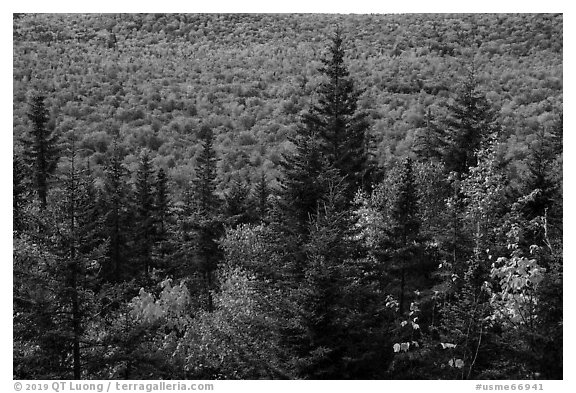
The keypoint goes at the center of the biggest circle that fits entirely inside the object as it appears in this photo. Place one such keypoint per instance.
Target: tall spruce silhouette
(331, 135)
(340, 126)
(40, 148)
(206, 221)
(145, 211)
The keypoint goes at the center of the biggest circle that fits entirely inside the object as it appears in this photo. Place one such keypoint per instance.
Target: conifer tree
(332, 134)
(40, 148)
(456, 240)
(301, 188)
(69, 276)
(161, 201)
(237, 203)
(336, 121)
(117, 202)
(206, 220)
(38, 344)
(340, 323)
(320, 348)
(85, 252)
(183, 242)
(144, 194)
(204, 184)
(543, 152)
(161, 211)
(472, 122)
(406, 248)
(428, 144)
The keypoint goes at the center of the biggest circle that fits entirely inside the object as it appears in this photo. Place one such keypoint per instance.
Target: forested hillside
(287, 196)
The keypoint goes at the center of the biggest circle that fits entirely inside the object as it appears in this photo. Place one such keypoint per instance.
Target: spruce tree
(237, 204)
(84, 255)
(161, 211)
(471, 122)
(144, 195)
(320, 348)
(543, 151)
(406, 248)
(206, 220)
(40, 148)
(302, 189)
(428, 143)
(204, 184)
(117, 197)
(332, 134)
(73, 226)
(340, 321)
(336, 121)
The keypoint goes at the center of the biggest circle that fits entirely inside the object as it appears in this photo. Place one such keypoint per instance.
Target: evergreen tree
(543, 152)
(117, 197)
(455, 241)
(549, 322)
(40, 148)
(204, 184)
(182, 242)
(206, 220)
(428, 144)
(320, 348)
(39, 342)
(330, 135)
(65, 264)
(405, 207)
(340, 320)
(472, 122)
(84, 253)
(237, 203)
(144, 194)
(336, 121)
(406, 248)
(161, 202)
(301, 188)
(161, 211)
(406, 224)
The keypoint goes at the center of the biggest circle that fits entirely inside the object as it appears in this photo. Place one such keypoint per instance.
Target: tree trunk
(76, 328)
(402, 284)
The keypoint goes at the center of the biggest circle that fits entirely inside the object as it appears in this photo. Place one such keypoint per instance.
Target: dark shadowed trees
(471, 122)
(117, 197)
(144, 202)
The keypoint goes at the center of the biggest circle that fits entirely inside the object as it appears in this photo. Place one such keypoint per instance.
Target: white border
(299, 6)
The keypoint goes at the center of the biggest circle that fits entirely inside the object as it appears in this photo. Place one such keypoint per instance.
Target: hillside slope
(151, 80)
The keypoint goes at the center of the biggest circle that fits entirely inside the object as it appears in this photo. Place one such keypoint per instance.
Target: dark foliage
(40, 149)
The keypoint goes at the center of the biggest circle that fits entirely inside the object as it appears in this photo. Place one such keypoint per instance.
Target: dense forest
(229, 196)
